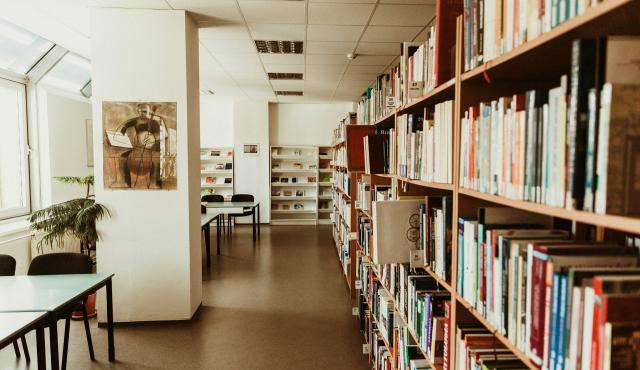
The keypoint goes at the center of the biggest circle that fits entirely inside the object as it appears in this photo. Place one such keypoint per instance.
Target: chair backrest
(212, 198)
(7, 265)
(242, 198)
(61, 263)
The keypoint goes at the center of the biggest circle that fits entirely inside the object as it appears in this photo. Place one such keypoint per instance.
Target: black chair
(8, 268)
(60, 264)
(246, 211)
(214, 198)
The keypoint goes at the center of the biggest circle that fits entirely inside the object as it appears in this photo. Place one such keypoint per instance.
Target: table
(205, 220)
(13, 325)
(55, 294)
(240, 205)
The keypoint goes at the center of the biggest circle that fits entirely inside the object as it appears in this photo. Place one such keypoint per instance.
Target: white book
(587, 327)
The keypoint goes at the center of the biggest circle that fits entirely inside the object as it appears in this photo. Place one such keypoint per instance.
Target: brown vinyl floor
(279, 304)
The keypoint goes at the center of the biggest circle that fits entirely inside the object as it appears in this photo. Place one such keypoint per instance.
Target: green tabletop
(45, 292)
(12, 323)
(231, 204)
(206, 218)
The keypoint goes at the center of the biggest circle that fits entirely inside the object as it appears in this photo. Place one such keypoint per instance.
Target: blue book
(553, 320)
(562, 322)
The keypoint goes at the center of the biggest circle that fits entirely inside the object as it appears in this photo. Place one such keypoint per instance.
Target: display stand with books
(294, 185)
(216, 171)
(528, 257)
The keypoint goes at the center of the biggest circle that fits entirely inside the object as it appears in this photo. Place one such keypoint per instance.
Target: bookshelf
(216, 171)
(294, 185)
(525, 67)
(325, 182)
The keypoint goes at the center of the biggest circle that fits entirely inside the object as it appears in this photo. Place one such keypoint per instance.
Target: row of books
(341, 230)
(425, 144)
(477, 348)
(419, 66)
(435, 234)
(495, 27)
(381, 99)
(378, 152)
(343, 181)
(523, 276)
(521, 147)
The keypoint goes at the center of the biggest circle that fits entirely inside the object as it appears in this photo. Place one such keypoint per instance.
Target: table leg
(218, 235)
(253, 223)
(258, 219)
(112, 347)
(53, 340)
(40, 350)
(207, 243)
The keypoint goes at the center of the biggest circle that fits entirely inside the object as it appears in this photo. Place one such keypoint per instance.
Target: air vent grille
(279, 47)
(284, 76)
(289, 93)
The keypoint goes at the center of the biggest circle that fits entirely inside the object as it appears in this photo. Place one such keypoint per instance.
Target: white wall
(64, 153)
(305, 124)
(152, 240)
(251, 125)
(15, 240)
(216, 122)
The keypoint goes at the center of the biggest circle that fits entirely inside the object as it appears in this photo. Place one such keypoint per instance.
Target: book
(621, 346)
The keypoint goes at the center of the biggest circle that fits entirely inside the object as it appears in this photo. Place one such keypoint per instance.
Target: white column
(152, 240)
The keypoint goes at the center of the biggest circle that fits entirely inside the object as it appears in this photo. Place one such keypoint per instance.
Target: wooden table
(55, 294)
(14, 325)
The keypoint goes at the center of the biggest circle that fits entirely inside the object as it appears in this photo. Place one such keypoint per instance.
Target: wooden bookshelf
(538, 63)
(325, 183)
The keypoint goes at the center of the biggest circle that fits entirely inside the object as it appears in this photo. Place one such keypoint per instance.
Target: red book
(446, 13)
(445, 327)
(617, 299)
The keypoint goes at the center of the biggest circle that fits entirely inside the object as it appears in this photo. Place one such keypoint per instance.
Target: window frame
(7, 80)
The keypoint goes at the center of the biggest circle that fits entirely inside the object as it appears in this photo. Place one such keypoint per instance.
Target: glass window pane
(19, 48)
(13, 163)
(71, 73)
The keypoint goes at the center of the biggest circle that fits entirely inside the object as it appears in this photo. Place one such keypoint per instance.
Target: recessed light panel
(289, 93)
(284, 76)
(279, 47)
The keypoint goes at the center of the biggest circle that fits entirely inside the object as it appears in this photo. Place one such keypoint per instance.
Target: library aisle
(280, 304)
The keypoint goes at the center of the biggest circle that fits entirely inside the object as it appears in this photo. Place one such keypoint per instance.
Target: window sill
(18, 225)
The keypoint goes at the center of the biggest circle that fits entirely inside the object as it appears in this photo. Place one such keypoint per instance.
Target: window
(20, 49)
(72, 73)
(14, 168)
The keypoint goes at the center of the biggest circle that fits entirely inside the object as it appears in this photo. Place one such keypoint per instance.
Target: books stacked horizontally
(477, 348)
(377, 152)
(425, 144)
(380, 100)
(435, 234)
(532, 283)
(560, 147)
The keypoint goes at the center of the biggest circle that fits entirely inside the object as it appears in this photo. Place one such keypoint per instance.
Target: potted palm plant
(75, 217)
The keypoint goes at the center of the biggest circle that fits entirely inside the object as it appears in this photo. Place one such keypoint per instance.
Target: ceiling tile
(224, 31)
(242, 58)
(329, 47)
(282, 58)
(325, 68)
(243, 67)
(260, 94)
(402, 15)
(287, 85)
(138, 4)
(317, 32)
(333, 59)
(207, 11)
(229, 46)
(353, 69)
(273, 11)
(291, 99)
(390, 34)
(320, 85)
(342, 14)
(370, 77)
(255, 80)
(284, 68)
(322, 76)
(261, 31)
(379, 48)
(344, 1)
(422, 37)
(372, 60)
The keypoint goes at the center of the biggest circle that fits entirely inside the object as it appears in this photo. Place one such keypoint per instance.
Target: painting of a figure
(139, 140)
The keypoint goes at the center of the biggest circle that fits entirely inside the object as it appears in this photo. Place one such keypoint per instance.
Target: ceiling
(231, 67)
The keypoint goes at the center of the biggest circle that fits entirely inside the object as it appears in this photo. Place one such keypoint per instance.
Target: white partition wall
(151, 242)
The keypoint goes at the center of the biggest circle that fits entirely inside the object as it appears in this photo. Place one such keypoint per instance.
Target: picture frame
(284, 180)
(287, 193)
(311, 179)
(299, 193)
(252, 149)
(294, 180)
(275, 179)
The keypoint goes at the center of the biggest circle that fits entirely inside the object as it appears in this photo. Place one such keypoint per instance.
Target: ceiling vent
(289, 93)
(279, 47)
(284, 76)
